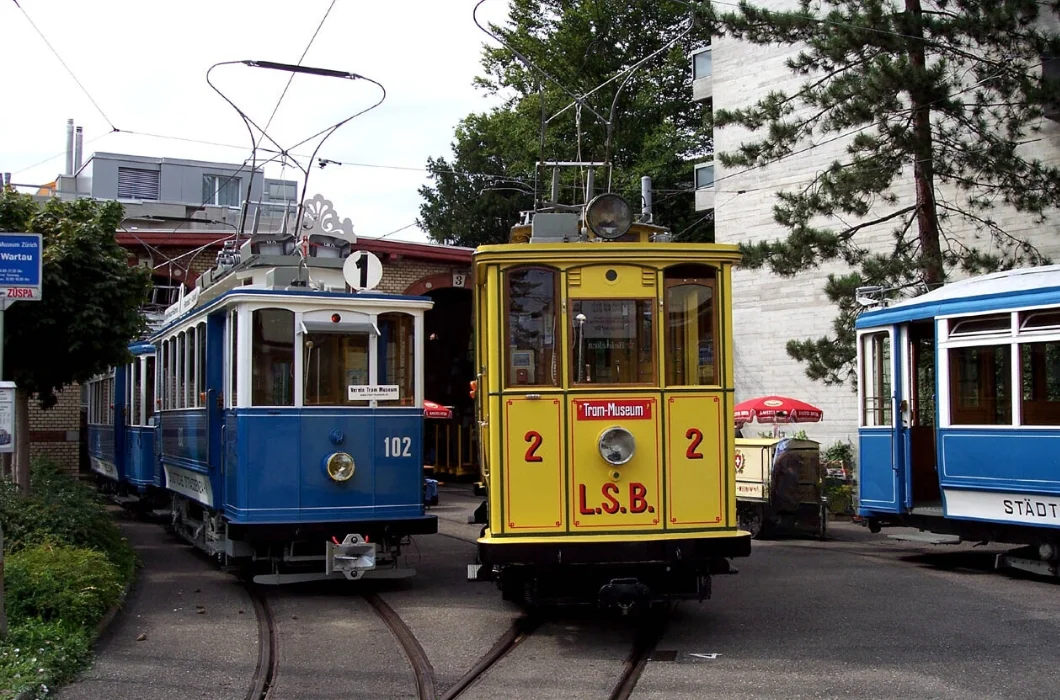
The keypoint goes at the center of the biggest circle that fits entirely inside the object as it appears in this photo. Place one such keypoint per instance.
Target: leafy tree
(478, 193)
(945, 91)
(90, 308)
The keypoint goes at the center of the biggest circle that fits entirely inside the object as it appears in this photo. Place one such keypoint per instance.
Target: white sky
(144, 62)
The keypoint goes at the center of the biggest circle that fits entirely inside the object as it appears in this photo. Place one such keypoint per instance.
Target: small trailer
(784, 494)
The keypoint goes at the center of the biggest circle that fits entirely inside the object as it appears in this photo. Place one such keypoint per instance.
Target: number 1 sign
(362, 270)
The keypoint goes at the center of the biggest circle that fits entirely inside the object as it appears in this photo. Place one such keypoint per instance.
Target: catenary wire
(68, 70)
(290, 78)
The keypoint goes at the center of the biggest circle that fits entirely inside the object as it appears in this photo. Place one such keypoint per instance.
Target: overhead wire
(64, 65)
(290, 78)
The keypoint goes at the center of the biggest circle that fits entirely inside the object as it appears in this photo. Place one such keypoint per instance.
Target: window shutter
(135, 183)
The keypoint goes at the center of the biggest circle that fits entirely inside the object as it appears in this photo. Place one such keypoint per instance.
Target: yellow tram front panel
(607, 497)
(697, 477)
(533, 480)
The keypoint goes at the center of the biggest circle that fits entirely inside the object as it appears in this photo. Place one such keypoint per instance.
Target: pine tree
(938, 104)
(477, 195)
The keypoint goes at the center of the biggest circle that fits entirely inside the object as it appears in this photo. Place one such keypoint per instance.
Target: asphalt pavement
(187, 630)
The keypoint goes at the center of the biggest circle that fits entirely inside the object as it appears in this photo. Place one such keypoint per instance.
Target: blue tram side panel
(290, 422)
(959, 415)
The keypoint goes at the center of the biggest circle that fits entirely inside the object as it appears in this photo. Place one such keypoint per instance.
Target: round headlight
(609, 216)
(340, 466)
(617, 445)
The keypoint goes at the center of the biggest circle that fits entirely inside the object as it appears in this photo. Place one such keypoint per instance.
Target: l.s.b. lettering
(634, 500)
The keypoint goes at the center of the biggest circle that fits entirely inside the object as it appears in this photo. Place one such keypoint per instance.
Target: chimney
(77, 151)
(69, 147)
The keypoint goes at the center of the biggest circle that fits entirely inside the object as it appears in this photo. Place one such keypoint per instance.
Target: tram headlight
(609, 216)
(340, 466)
(616, 445)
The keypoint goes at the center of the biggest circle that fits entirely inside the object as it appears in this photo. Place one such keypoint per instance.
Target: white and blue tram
(281, 414)
(959, 396)
(121, 433)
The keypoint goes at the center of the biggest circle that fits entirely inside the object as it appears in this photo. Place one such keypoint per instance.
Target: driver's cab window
(272, 358)
(613, 341)
(691, 326)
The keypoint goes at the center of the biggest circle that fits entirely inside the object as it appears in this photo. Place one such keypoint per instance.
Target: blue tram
(959, 396)
(281, 414)
(121, 425)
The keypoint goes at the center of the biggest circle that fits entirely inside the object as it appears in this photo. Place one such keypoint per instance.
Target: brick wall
(769, 310)
(399, 275)
(56, 432)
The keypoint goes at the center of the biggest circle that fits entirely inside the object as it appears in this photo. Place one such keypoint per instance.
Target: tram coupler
(624, 593)
(352, 557)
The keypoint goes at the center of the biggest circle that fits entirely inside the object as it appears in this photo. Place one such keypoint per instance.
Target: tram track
(268, 646)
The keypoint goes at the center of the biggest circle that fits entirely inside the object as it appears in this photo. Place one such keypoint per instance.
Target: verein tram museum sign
(21, 273)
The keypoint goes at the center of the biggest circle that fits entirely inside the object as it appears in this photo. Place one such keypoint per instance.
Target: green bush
(61, 509)
(54, 582)
(36, 656)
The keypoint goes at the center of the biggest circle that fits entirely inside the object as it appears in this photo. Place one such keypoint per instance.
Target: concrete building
(178, 215)
(768, 309)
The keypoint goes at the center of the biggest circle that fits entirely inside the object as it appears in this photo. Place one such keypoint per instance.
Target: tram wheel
(750, 518)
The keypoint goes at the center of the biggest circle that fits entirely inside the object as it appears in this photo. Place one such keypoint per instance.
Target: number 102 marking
(398, 446)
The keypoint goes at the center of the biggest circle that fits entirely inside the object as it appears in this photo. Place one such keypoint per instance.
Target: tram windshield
(333, 362)
(613, 341)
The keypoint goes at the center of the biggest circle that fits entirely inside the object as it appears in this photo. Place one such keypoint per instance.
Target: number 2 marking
(534, 438)
(696, 437)
(397, 446)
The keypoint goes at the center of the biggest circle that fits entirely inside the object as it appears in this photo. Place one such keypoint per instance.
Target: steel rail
(417, 657)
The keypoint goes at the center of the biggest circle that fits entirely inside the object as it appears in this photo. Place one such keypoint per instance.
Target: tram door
(918, 416)
(881, 463)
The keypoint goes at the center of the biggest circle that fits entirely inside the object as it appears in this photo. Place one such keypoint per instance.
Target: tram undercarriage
(295, 554)
(1038, 553)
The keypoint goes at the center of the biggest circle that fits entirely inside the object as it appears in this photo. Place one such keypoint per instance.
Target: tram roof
(1025, 287)
(241, 293)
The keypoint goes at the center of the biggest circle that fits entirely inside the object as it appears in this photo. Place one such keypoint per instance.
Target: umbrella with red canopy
(436, 410)
(776, 409)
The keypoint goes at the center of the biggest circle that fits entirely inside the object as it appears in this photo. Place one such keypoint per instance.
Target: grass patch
(66, 564)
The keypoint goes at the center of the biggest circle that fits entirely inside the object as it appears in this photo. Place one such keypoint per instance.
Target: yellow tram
(605, 399)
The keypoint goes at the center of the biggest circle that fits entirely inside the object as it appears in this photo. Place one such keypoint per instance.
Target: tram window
(189, 368)
(980, 325)
(180, 382)
(876, 379)
(149, 390)
(1040, 320)
(531, 345)
(691, 351)
(133, 416)
(1040, 379)
(272, 365)
(200, 367)
(397, 359)
(163, 394)
(333, 362)
(233, 356)
(613, 341)
(981, 385)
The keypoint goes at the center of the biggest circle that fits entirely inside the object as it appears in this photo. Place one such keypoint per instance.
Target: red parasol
(776, 409)
(435, 410)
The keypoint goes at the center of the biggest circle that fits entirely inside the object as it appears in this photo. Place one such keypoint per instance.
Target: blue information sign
(20, 265)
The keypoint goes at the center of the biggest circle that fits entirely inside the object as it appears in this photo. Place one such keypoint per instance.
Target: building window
(280, 191)
(221, 190)
(704, 175)
(701, 64)
(137, 183)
